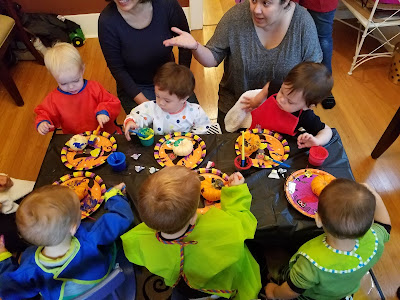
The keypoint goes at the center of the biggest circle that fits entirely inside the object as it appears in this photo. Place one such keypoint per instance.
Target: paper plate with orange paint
(89, 187)
(261, 144)
(299, 193)
(92, 156)
(165, 156)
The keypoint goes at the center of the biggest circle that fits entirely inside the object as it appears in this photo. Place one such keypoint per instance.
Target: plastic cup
(238, 164)
(317, 155)
(149, 139)
(117, 161)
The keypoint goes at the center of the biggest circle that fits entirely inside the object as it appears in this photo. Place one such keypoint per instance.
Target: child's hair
(169, 199)
(175, 79)
(346, 208)
(46, 216)
(62, 57)
(313, 79)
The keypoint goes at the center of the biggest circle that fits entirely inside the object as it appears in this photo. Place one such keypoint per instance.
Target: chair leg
(9, 84)
(389, 136)
(24, 37)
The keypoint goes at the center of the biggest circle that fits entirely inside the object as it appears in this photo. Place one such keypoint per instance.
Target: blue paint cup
(117, 161)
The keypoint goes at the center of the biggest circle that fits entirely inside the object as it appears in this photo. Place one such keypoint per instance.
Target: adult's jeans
(324, 23)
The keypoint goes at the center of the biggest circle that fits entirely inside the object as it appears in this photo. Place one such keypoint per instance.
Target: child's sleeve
(303, 275)
(108, 104)
(236, 201)
(237, 117)
(310, 122)
(114, 222)
(15, 282)
(143, 114)
(201, 121)
(47, 112)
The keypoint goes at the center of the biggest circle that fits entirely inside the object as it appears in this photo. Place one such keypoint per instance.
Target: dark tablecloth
(278, 222)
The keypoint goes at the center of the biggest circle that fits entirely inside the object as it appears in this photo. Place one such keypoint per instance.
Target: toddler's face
(290, 101)
(167, 102)
(71, 80)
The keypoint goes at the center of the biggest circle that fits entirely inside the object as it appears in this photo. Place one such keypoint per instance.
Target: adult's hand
(183, 40)
(140, 98)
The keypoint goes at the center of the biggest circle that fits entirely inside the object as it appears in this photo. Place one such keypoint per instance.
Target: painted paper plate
(165, 156)
(89, 187)
(299, 193)
(263, 143)
(91, 156)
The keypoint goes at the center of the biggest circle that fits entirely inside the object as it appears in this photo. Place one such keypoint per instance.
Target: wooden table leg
(389, 136)
(9, 84)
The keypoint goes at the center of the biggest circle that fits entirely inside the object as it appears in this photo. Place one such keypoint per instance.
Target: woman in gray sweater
(261, 41)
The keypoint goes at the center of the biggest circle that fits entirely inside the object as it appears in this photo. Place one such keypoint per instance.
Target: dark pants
(9, 229)
(324, 24)
(128, 103)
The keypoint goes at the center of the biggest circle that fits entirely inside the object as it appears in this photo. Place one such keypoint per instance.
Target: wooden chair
(11, 25)
(391, 133)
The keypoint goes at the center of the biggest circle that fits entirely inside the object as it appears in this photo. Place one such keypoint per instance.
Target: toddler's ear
(318, 220)
(5, 182)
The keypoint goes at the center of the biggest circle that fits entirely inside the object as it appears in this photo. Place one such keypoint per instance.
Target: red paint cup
(238, 164)
(317, 155)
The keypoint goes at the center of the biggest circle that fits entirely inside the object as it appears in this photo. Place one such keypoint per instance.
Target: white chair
(372, 27)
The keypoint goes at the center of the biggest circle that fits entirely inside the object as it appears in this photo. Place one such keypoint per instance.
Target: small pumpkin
(182, 147)
(210, 188)
(320, 182)
(81, 189)
(78, 142)
(252, 143)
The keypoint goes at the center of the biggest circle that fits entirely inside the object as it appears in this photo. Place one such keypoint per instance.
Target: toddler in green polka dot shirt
(170, 111)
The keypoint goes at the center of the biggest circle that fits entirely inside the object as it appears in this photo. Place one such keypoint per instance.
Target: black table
(278, 222)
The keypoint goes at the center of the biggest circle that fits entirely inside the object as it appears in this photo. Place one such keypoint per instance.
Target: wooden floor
(366, 102)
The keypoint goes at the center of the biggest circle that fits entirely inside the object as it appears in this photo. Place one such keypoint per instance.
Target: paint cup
(148, 140)
(317, 155)
(117, 161)
(238, 164)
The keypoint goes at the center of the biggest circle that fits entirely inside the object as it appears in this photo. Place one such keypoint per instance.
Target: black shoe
(329, 102)
(398, 293)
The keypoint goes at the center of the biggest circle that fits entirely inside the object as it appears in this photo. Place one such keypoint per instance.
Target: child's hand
(128, 126)
(121, 187)
(269, 290)
(2, 244)
(44, 128)
(306, 140)
(102, 119)
(236, 179)
(250, 104)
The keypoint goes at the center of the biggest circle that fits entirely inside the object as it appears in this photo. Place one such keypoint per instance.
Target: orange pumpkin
(210, 188)
(81, 189)
(251, 143)
(320, 182)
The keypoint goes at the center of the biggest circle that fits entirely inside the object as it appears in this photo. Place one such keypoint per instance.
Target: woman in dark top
(131, 35)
